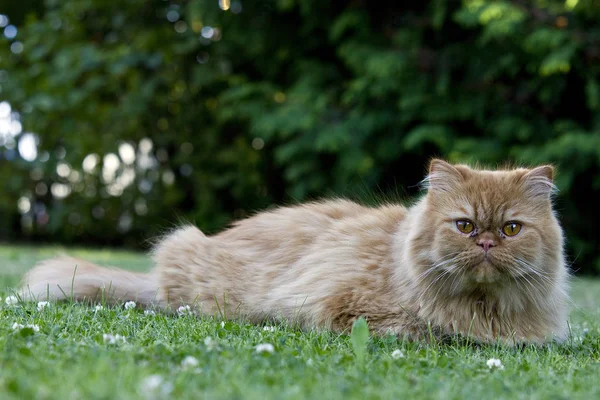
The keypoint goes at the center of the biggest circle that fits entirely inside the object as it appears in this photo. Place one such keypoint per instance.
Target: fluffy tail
(69, 278)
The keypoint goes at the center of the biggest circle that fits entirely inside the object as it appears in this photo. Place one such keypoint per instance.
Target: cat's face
(490, 228)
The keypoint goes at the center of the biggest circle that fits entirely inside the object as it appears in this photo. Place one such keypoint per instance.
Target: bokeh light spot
(24, 205)
(5, 110)
(202, 58)
(236, 7)
(63, 170)
(172, 15)
(90, 162)
(10, 32)
(187, 148)
(207, 32)
(41, 189)
(186, 170)
(224, 4)
(16, 47)
(60, 190)
(146, 145)
(180, 26)
(28, 147)
(258, 143)
(279, 97)
(168, 177)
(44, 156)
(127, 153)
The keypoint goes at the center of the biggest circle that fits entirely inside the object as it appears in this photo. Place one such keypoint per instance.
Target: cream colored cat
(481, 254)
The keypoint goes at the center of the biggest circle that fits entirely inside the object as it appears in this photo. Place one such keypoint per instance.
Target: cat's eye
(465, 226)
(511, 228)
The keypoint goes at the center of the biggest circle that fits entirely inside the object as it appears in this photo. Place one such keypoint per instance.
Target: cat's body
(322, 265)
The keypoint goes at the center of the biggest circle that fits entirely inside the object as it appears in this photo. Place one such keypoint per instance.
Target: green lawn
(69, 357)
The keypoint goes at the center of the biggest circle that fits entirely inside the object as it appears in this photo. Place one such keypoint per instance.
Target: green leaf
(359, 338)
(592, 91)
(26, 331)
(436, 134)
(558, 62)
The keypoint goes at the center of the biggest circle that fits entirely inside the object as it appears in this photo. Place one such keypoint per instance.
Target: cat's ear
(444, 176)
(538, 181)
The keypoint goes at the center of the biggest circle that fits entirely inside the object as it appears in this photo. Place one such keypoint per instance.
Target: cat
(479, 255)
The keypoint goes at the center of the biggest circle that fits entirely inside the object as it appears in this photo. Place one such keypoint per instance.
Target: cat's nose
(486, 244)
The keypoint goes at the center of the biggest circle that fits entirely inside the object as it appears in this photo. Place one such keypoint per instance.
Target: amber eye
(465, 226)
(511, 228)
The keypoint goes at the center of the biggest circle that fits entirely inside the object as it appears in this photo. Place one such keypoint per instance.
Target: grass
(70, 359)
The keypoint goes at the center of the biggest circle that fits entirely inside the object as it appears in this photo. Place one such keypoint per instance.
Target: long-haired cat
(481, 254)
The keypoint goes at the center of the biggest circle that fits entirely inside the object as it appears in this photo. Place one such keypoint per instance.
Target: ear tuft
(538, 181)
(444, 176)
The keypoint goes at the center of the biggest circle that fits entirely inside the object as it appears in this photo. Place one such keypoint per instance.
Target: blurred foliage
(260, 102)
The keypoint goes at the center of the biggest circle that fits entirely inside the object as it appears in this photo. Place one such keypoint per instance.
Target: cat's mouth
(485, 271)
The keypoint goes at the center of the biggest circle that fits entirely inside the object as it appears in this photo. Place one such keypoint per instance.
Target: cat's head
(488, 229)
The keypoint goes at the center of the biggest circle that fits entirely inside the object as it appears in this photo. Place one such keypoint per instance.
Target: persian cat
(479, 255)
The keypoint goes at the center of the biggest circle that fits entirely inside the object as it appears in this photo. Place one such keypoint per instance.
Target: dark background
(207, 111)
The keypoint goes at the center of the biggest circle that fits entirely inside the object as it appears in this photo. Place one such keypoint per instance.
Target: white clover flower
(184, 310)
(113, 339)
(129, 305)
(152, 382)
(189, 362)
(494, 363)
(98, 308)
(149, 312)
(42, 304)
(265, 348)
(11, 300)
(17, 326)
(396, 354)
(269, 328)
(210, 343)
(155, 385)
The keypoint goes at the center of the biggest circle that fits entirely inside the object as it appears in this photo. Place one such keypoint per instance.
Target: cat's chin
(485, 273)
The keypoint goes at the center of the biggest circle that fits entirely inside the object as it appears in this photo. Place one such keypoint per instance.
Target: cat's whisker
(532, 287)
(447, 257)
(441, 284)
(450, 273)
(549, 282)
(530, 270)
(427, 272)
(519, 285)
(434, 281)
(530, 265)
(437, 266)
(462, 276)
(425, 291)
(533, 270)
(457, 280)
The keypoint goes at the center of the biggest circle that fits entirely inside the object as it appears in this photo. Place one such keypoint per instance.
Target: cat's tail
(66, 278)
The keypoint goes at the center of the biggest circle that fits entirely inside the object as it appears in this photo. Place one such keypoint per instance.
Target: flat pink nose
(486, 244)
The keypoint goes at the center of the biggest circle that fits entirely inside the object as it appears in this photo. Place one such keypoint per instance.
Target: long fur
(409, 271)
(70, 278)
